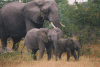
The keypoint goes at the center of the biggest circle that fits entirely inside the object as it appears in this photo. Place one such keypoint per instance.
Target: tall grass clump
(15, 57)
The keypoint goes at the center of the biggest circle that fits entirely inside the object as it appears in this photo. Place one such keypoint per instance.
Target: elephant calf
(68, 45)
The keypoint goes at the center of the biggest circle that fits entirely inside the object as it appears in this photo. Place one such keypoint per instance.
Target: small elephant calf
(68, 45)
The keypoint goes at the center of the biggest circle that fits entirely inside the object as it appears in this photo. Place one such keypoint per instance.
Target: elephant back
(62, 44)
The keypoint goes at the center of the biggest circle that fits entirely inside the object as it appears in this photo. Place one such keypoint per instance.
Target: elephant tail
(23, 47)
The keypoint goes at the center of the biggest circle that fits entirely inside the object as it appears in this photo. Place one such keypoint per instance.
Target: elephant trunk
(56, 50)
(54, 18)
(78, 53)
(55, 47)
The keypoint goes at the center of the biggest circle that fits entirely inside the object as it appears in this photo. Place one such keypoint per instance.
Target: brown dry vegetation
(24, 60)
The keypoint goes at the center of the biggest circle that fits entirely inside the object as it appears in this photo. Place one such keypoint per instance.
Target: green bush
(2, 2)
(15, 56)
(81, 20)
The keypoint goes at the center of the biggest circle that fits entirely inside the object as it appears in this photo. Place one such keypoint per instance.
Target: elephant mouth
(55, 26)
(46, 18)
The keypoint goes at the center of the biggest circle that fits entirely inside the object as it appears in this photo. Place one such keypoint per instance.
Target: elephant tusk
(53, 25)
(62, 25)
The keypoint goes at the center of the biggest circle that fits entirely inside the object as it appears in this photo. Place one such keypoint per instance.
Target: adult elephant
(68, 45)
(17, 18)
(39, 39)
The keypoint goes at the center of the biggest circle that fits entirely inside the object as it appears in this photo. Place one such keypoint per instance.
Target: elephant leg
(4, 42)
(3, 37)
(34, 54)
(68, 56)
(68, 53)
(74, 54)
(60, 55)
(16, 43)
(49, 51)
(41, 51)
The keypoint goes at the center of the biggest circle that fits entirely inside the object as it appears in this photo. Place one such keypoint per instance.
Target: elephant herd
(18, 20)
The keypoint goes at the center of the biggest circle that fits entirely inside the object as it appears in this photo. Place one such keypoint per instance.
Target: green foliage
(15, 56)
(2, 2)
(86, 50)
(90, 50)
(88, 14)
(96, 1)
(47, 24)
(81, 20)
(65, 11)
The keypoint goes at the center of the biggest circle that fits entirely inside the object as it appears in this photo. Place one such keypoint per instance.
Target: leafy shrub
(15, 56)
(90, 50)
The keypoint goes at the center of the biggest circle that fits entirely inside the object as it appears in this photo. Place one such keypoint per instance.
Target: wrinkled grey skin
(39, 39)
(68, 45)
(17, 18)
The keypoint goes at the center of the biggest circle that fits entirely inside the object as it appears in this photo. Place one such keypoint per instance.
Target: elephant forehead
(52, 31)
(34, 30)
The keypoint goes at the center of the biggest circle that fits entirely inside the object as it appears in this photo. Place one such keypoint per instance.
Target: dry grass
(26, 60)
(83, 62)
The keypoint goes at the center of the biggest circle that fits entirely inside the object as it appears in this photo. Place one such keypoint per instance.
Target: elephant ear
(70, 43)
(76, 44)
(31, 11)
(42, 34)
(59, 32)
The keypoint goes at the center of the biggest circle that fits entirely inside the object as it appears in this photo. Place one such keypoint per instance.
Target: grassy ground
(25, 60)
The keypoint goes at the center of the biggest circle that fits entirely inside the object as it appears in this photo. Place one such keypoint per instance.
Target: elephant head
(50, 36)
(35, 12)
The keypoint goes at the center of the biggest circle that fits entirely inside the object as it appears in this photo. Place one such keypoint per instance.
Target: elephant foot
(15, 49)
(15, 46)
(49, 59)
(67, 59)
(76, 59)
(35, 59)
(56, 59)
